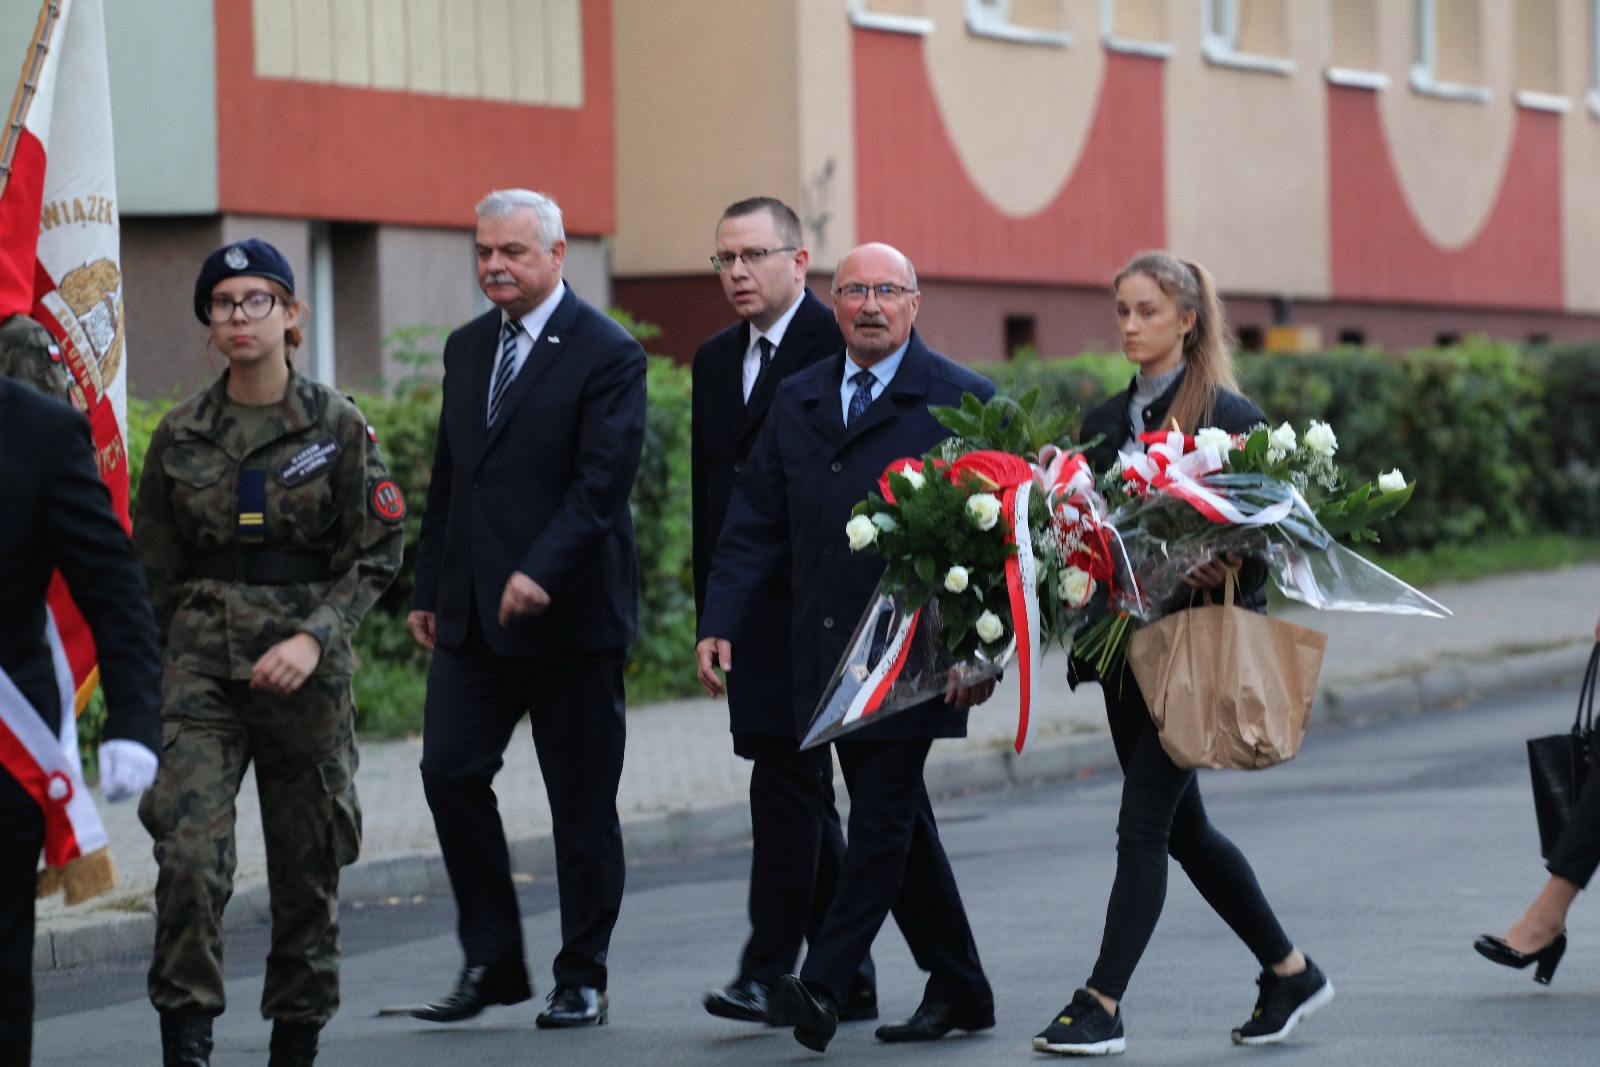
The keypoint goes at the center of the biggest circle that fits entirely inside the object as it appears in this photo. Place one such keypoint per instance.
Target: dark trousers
(575, 708)
(894, 862)
(21, 841)
(1577, 851)
(796, 854)
(1162, 815)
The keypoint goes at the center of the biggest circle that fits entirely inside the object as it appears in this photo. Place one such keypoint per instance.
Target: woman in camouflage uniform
(268, 525)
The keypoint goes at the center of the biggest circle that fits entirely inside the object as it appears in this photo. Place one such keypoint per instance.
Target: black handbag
(1560, 763)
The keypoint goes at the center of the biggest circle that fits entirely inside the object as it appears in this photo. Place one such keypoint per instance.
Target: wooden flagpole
(26, 85)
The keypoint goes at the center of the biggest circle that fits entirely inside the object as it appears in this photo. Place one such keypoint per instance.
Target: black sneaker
(1083, 1029)
(1282, 1003)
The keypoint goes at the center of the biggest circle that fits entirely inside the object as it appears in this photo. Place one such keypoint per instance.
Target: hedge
(1498, 439)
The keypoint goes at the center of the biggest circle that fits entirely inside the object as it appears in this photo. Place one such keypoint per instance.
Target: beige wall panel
(1580, 162)
(160, 257)
(459, 45)
(912, 8)
(272, 23)
(706, 115)
(1140, 20)
(1450, 155)
(389, 49)
(1538, 45)
(352, 42)
(1017, 113)
(1041, 14)
(1247, 161)
(424, 37)
(313, 40)
(530, 80)
(825, 94)
(564, 51)
(1264, 27)
(1353, 34)
(494, 49)
(1461, 40)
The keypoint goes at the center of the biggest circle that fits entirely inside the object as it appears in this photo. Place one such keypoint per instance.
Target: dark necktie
(859, 399)
(766, 364)
(505, 369)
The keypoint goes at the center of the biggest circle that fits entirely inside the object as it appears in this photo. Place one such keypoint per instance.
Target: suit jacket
(58, 516)
(544, 491)
(791, 504)
(760, 693)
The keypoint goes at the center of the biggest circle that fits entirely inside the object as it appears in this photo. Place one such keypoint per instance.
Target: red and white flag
(60, 249)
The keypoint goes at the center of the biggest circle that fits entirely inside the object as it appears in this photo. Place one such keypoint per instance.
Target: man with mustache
(527, 593)
(832, 430)
(795, 837)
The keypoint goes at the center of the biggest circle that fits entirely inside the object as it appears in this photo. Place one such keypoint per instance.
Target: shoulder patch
(372, 433)
(388, 503)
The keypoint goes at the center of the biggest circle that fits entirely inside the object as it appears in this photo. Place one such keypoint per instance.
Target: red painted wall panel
(313, 150)
(914, 193)
(1380, 252)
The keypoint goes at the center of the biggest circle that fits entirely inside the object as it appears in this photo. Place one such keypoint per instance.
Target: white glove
(127, 769)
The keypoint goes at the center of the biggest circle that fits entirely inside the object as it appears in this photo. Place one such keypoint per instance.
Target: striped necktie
(863, 381)
(506, 369)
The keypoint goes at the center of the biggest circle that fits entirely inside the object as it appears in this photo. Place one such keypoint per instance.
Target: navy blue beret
(253, 257)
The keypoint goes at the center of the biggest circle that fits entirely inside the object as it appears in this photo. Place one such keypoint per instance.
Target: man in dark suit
(796, 839)
(59, 517)
(832, 430)
(527, 592)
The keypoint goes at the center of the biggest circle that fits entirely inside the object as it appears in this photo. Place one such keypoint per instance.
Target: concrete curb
(120, 935)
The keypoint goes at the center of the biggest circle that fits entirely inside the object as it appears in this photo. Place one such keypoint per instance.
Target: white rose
(955, 579)
(1320, 438)
(912, 475)
(1391, 481)
(989, 627)
(861, 532)
(1282, 439)
(884, 521)
(1076, 587)
(1221, 440)
(984, 509)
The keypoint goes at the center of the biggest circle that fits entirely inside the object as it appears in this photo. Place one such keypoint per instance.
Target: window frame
(992, 18)
(1423, 73)
(1219, 41)
(915, 25)
(1352, 77)
(1130, 45)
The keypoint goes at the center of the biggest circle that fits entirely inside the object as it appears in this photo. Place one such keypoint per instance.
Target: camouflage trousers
(303, 747)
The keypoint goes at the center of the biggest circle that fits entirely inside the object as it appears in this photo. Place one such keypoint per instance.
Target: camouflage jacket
(29, 354)
(327, 493)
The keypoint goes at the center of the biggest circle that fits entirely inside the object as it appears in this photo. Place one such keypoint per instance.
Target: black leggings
(1162, 815)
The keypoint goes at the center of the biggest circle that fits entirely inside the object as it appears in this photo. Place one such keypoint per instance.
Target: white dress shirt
(752, 354)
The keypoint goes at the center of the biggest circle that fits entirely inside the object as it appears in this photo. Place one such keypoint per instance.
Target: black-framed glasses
(857, 294)
(752, 257)
(256, 306)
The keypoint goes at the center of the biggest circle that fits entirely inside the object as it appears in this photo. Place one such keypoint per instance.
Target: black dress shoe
(744, 1000)
(1494, 948)
(932, 1021)
(477, 988)
(814, 1015)
(574, 1005)
(860, 1007)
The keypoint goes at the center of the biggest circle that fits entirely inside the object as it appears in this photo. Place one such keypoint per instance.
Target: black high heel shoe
(1495, 949)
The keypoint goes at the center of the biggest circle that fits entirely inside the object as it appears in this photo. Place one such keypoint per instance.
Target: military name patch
(388, 503)
(307, 462)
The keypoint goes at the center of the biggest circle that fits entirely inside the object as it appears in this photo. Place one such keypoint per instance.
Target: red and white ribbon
(869, 698)
(1166, 467)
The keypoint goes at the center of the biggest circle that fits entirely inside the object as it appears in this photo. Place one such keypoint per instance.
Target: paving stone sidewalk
(683, 789)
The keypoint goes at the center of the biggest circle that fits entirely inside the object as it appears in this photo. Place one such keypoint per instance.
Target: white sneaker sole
(1314, 1003)
(1116, 1046)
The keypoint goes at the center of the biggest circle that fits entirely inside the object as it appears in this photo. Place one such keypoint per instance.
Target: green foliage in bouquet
(1006, 424)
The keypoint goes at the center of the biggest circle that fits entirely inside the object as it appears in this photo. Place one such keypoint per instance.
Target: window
(1023, 21)
(1250, 338)
(1251, 34)
(1446, 339)
(1538, 55)
(1352, 34)
(1022, 334)
(1449, 59)
(1137, 26)
(1353, 337)
(896, 16)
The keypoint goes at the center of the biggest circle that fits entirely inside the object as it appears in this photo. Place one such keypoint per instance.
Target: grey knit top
(1146, 389)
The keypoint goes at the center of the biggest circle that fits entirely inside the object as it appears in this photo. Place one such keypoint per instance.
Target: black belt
(260, 566)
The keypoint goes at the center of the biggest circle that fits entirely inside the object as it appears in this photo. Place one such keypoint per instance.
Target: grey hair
(503, 203)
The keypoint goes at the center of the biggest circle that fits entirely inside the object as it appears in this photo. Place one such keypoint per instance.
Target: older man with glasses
(832, 430)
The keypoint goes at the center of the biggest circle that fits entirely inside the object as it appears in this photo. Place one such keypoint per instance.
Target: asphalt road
(1385, 850)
